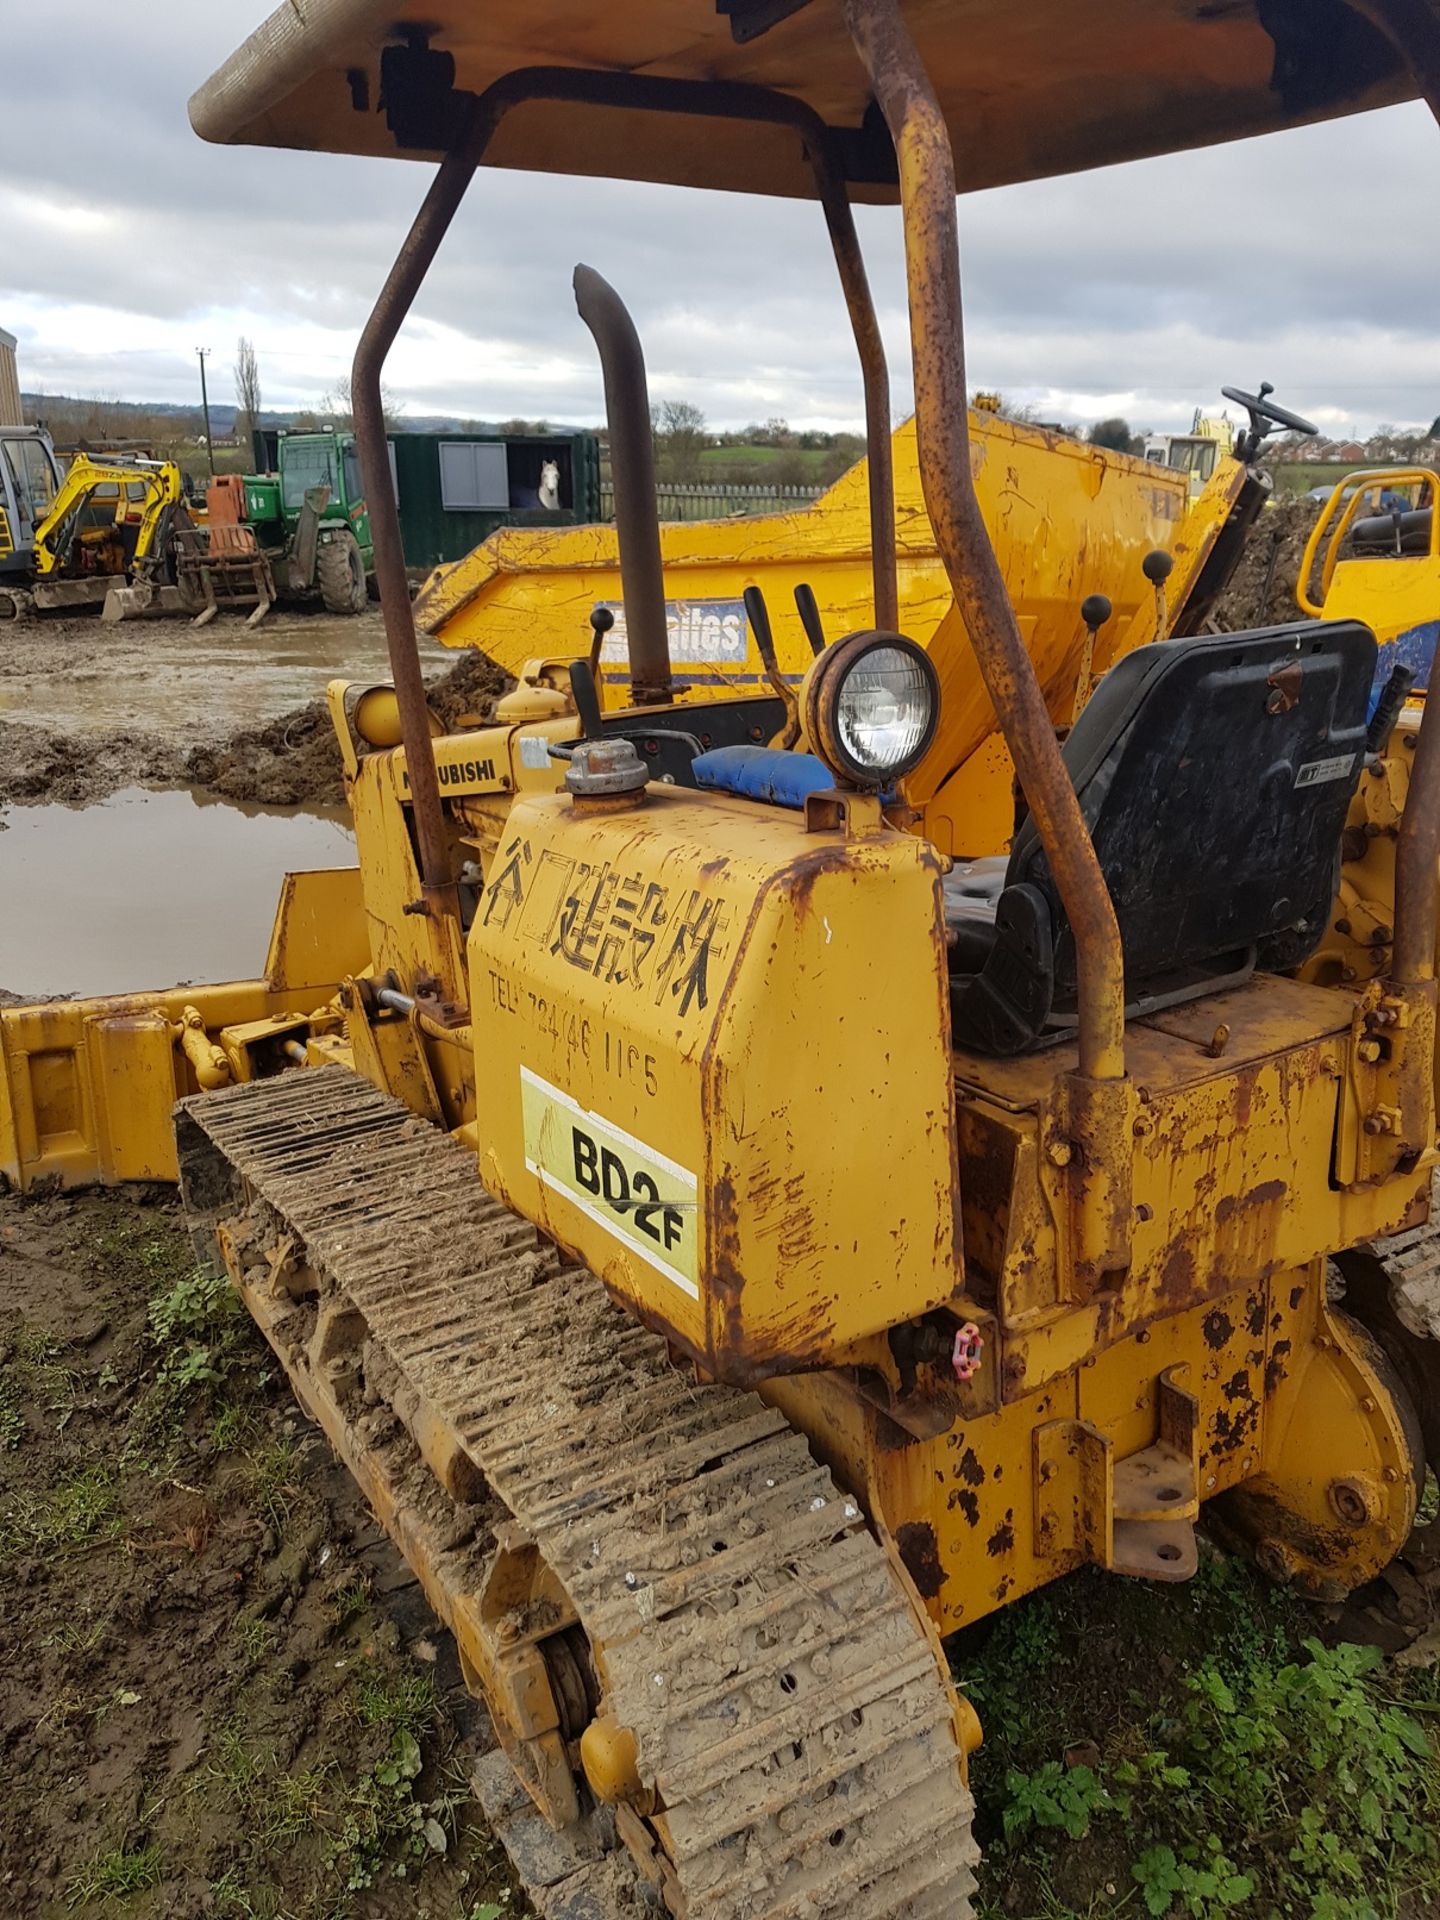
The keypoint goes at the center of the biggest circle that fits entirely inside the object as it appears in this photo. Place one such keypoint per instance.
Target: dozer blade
(667, 1557)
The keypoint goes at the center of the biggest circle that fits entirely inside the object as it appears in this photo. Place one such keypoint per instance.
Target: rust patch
(797, 880)
(1003, 1538)
(921, 1554)
(1218, 1328)
(970, 1470)
(1284, 685)
(965, 1500)
(1237, 1386)
(1275, 1367)
(1297, 1294)
(1237, 1428)
(1255, 1315)
(1261, 1196)
(1177, 1276)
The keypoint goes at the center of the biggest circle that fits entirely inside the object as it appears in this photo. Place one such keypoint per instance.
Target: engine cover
(714, 1063)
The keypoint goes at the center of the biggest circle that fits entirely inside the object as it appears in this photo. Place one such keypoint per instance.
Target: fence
(717, 500)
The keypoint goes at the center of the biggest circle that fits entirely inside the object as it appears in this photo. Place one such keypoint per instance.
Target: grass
(276, 1804)
(33, 1370)
(1196, 1751)
(402, 1702)
(116, 1875)
(62, 1519)
(1301, 477)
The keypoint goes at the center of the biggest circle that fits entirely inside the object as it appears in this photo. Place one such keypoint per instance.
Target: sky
(1306, 259)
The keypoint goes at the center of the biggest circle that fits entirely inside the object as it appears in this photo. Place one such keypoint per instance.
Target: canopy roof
(1029, 87)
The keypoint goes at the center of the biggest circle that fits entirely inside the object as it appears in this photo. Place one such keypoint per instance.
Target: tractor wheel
(341, 575)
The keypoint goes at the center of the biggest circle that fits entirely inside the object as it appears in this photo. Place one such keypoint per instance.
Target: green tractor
(300, 531)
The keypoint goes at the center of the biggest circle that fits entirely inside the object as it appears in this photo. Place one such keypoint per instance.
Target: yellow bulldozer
(733, 1242)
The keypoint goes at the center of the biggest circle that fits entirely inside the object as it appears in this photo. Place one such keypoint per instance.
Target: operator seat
(1214, 775)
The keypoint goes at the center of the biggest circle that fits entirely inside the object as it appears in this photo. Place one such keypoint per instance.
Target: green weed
(350, 1599)
(116, 1875)
(382, 1820)
(1202, 1889)
(277, 1804)
(75, 1514)
(234, 1893)
(1053, 1796)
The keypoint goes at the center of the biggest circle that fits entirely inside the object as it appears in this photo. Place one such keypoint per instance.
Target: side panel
(700, 1068)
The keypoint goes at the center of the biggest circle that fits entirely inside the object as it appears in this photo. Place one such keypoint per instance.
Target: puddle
(80, 677)
(149, 889)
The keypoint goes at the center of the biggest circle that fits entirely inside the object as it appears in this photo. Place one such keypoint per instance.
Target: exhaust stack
(632, 469)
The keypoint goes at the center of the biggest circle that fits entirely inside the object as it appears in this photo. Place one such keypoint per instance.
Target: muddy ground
(1262, 592)
(87, 709)
(219, 1693)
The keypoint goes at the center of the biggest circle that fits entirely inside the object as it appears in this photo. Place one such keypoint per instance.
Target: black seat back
(1214, 775)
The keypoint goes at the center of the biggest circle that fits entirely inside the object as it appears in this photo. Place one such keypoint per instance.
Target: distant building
(10, 414)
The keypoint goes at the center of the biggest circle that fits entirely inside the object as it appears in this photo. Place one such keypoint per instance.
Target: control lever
(601, 621)
(1157, 566)
(1387, 708)
(758, 615)
(584, 694)
(1095, 610)
(808, 609)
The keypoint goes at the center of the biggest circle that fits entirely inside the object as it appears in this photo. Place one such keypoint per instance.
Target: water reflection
(150, 889)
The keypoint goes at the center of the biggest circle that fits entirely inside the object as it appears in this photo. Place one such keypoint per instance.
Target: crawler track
(1392, 1286)
(784, 1690)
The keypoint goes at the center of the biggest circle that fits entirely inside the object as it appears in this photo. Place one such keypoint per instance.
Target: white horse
(550, 487)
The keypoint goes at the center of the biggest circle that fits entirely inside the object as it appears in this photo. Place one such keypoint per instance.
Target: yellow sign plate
(646, 1201)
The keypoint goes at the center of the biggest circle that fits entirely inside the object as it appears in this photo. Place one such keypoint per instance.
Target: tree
(1115, 434)
(339, 411)
(247, 391)
(680, 438)
(1434, 433)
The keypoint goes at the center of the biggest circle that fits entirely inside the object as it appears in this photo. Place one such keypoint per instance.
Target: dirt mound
(36, 764)
(1262, 592)
(289, 761)
(220, 1694)
(292, 761)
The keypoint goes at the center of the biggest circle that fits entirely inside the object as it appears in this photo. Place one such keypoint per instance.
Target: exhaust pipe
(632, 472)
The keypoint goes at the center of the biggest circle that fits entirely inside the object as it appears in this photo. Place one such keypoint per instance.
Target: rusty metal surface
(632, 467)
(397, 297)
(927, 175)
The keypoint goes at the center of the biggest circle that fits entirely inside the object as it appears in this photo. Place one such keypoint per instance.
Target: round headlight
(870, 706)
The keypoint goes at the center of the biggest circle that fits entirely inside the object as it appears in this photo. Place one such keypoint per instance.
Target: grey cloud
(1304, 259)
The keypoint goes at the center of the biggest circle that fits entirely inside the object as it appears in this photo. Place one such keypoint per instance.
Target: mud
(86, 709)
(1262, 593)
(219, 1692)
